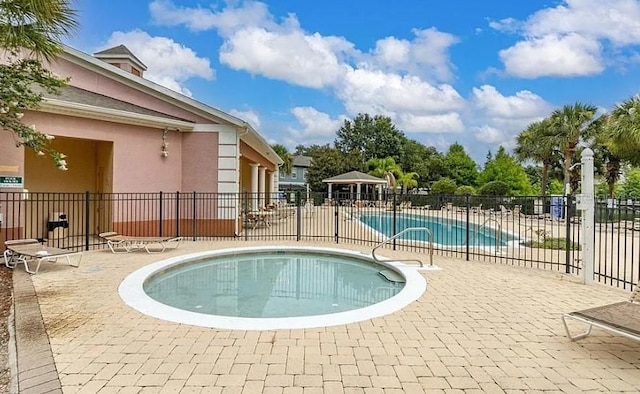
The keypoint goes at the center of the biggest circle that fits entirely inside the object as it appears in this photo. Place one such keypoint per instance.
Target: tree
(537, 143)
(284, 154)
(425, 161)
(31, 30)
(444, 186)
(459, 167)
(572, 124)
(618, 140)
(631, 185)
(326, 163)
(494, 188)
(385, 168)
(505, 169)
(408, 180)
(373, 138)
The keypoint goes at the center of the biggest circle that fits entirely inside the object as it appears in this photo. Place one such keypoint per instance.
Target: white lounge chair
(621, 318)
(25, 251)
(126, 244)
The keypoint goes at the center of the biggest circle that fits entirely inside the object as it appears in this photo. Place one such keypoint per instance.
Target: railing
(398, 235)
(538, 232)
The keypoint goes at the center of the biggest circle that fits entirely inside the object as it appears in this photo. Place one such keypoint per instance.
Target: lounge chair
(621, 318)
(25, 251)
(126, 244)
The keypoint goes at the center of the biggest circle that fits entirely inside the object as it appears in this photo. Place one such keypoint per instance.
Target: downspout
(244, 131)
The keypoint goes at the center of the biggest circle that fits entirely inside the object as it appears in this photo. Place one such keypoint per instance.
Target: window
(294, 174)
(282, 176)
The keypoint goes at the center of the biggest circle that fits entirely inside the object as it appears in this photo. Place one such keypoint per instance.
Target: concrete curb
(34, 363)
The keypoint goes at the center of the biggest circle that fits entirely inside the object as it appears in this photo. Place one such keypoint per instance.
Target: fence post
(87, 212)
(395, 216)
(588, 204)
(467, 228)
(160, 214)
(299, 215)
(194, 227)
(567, 235)
(246, 211)
(177, 214)
(336, 215)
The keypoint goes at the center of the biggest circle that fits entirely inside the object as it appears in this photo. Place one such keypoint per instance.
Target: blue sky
(475, 72)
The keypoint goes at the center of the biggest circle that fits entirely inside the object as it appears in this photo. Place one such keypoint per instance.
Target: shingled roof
(120, 52)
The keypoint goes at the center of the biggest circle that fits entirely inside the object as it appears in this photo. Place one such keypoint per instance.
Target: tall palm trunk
(546, 167)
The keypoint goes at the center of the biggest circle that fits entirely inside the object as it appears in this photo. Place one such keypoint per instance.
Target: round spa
(264, 288)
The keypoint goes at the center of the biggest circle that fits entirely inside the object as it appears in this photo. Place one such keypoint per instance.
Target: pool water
(271, 284)
(446, 232)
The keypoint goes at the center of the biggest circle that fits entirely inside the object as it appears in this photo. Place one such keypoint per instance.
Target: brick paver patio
(479, 327)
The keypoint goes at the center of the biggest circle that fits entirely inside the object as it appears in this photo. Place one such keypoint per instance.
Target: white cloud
(440, 123)
(295, 57)
(426, 55)
(571, 38)
(315, 125)
(489, 135)
(249, 116)
(523, 104)
(227, 21)
(169, 63)
(388, 93)
(615, 20)
(390, 80)
(561, 56)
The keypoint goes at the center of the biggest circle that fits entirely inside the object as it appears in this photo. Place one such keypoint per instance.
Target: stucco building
(124, 134)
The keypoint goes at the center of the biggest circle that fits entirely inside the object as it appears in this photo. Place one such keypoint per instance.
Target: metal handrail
(430, 243)
(498, 231)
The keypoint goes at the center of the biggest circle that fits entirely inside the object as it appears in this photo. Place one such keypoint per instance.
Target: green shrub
(464, 190)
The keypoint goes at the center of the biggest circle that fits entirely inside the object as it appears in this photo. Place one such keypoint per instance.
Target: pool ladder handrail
(498, 230)
(386, 241)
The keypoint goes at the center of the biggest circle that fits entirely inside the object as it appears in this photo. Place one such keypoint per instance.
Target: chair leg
(578, 336)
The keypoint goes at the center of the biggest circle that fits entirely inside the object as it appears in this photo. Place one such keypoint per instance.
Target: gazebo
(354, 178)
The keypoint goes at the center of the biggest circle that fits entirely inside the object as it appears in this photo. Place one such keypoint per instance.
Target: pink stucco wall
(94, 82)
(137, 163)
(200, 162)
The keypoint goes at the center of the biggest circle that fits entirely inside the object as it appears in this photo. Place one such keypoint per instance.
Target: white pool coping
(132, 293)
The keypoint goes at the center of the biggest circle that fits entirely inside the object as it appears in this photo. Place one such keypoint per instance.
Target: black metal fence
(540, 232)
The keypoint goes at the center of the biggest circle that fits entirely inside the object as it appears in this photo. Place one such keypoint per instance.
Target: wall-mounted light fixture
(164, 152)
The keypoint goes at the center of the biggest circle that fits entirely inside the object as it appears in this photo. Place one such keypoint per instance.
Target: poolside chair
(126, 244)
(25, 251)
(621, 318)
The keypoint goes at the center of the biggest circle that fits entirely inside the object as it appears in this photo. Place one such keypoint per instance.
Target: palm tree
(408, 180)
(36, 26)
(29, 31)
(537, 143)
(385, 168)
(623, 129)
(572, 124)
(619, 139)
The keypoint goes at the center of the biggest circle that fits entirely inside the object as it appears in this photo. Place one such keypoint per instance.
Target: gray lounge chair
(621, 318)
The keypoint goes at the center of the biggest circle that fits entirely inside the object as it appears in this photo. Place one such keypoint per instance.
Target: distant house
(297, 180)
(123, 133)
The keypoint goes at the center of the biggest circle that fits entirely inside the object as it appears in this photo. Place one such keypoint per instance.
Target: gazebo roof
(355, 177)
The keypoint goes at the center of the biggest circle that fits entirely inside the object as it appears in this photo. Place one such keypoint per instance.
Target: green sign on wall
(11, 181)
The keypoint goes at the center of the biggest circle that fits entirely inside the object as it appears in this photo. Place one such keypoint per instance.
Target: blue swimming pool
(446, 232)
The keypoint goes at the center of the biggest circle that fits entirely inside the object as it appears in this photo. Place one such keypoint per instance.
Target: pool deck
(479, 327)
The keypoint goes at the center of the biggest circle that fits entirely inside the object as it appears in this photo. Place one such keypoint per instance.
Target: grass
(553, 243)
